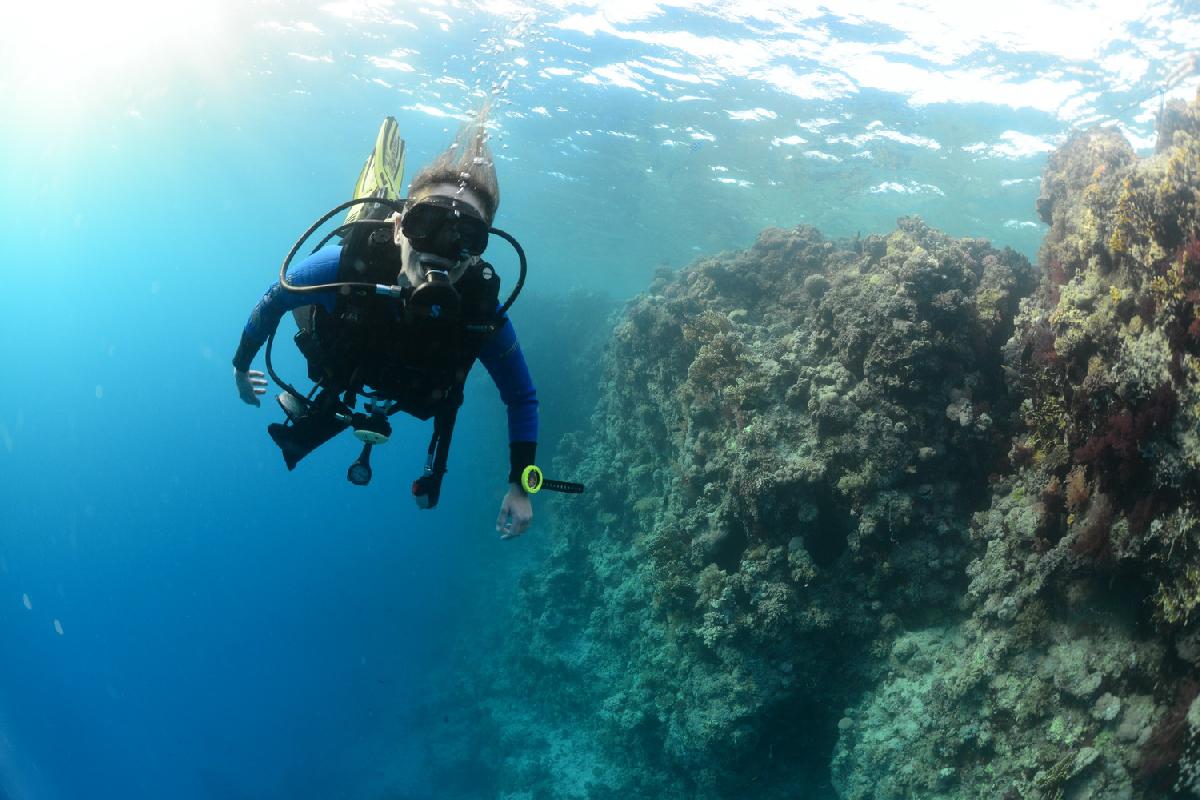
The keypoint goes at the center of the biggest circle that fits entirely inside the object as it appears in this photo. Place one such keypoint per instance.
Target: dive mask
(445, 227)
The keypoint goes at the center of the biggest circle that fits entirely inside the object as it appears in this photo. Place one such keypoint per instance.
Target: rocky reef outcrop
(894, 517)
(789, 446)
(1075, 674)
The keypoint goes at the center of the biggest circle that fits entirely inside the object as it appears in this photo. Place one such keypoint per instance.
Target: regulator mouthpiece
(436, 298)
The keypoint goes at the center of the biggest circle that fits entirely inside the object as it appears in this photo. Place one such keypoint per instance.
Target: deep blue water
(228, 629)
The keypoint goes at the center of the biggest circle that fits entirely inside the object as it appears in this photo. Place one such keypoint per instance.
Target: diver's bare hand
(516, 512)
(250, 384)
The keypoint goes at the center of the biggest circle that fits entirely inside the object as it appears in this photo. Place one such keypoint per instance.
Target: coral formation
(1085, 609)
(900, 515)
(789, 445)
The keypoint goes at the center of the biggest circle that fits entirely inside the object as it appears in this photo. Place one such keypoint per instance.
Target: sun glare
(68, 56)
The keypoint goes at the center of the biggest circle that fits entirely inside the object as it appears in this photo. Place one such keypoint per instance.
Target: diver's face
(416, 263)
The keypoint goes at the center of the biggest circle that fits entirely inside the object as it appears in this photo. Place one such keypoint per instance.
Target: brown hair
(467, 162)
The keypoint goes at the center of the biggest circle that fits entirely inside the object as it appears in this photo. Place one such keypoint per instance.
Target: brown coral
(1077, 489)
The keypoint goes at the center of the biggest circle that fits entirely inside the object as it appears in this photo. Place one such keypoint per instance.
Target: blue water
(201, 623)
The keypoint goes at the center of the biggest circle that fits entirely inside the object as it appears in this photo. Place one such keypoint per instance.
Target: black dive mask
(445, 227)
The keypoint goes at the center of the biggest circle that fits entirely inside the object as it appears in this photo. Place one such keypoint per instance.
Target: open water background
(179, 616)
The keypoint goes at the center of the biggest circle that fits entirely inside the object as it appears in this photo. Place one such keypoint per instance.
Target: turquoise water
(180, 616)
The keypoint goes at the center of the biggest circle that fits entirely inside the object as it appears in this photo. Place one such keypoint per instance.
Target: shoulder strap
(479, 288)
(369, 253)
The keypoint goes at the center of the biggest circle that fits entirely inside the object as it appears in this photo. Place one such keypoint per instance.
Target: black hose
(524, 269)
(280, 382)
(395, 205)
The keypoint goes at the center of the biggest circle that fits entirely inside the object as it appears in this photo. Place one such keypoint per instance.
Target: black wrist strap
(520, 456)
(244, 355)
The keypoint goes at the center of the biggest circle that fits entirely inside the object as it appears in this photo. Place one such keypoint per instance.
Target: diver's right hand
(250, 384)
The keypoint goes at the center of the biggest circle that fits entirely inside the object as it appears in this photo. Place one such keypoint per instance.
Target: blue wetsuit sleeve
(320, 267)
(504, 361)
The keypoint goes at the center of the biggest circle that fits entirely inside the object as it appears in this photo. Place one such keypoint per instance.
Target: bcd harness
(413, 357)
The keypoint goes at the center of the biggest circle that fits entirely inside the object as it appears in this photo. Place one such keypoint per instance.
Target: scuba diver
(397, 314)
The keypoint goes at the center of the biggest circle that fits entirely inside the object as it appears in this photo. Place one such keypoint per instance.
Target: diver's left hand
(516, 512)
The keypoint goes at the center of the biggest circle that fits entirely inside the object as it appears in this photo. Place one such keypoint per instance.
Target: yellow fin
(382, 175)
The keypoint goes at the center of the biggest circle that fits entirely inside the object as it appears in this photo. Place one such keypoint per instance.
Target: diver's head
(462, 178)
(440, 235)
(444, 229)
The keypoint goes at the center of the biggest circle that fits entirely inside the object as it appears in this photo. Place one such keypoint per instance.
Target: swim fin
(382, 175)
(304, 435)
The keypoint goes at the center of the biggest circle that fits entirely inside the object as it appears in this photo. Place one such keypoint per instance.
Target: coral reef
(788, 449)
(897, 517)
(1084, 594)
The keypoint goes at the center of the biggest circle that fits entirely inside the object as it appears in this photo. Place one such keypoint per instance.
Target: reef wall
(787, 451)
(893, 517)
(1075, 674)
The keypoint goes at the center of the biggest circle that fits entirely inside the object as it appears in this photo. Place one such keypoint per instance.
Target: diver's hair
(467, 162)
